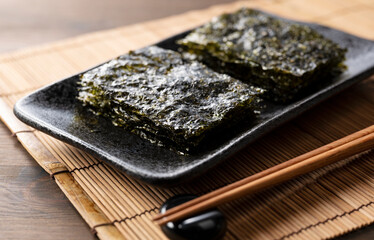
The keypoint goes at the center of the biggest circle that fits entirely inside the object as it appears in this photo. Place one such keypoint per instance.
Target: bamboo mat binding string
(319, 205)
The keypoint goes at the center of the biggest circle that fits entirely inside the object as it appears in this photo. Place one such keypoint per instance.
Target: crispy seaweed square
(279, 56)
(154, 93)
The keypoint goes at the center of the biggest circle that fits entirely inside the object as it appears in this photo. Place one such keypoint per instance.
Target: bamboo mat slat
(323, 204)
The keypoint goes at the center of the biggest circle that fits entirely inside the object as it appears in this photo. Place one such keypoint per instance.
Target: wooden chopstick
(268, 171)
(345, 147)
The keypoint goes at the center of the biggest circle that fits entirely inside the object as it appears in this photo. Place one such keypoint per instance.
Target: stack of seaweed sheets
(282, 58)
(177, 101)
(156, 94)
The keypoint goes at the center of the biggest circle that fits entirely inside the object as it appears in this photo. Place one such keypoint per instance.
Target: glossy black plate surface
(55, 111)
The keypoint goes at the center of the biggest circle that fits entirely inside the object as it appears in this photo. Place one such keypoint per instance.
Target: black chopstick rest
(207, 225)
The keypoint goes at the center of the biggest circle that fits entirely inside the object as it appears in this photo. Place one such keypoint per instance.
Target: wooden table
(31, 205)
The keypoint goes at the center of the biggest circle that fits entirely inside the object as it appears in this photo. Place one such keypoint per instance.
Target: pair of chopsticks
(341, 149)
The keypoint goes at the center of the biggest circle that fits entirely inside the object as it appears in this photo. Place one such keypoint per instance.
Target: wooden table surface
(31, 204)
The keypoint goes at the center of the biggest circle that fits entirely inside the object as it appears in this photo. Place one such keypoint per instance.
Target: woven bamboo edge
(94, 217)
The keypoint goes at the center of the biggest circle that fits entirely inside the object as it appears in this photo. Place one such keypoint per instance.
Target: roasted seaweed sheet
(281, 57)
(156, 94)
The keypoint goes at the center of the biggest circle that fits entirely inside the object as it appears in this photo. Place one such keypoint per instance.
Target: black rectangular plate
(55, 111)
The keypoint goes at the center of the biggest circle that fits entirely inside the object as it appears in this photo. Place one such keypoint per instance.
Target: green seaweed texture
(158, 95)
(281, 57)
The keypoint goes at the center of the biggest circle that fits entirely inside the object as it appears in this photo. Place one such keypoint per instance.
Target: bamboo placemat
(323, 204)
